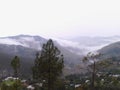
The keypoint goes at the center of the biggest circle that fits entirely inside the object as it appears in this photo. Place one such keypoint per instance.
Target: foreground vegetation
(71, 82)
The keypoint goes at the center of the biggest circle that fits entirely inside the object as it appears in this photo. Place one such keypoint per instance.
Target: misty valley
(36, 63)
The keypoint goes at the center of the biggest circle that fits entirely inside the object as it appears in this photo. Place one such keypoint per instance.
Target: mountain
(34, 42)
(79, 45)
(26, 46)
(111, 56)
(85, 44)
(112, 50)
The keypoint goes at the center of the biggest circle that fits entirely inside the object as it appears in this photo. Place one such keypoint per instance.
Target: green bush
(11, 85)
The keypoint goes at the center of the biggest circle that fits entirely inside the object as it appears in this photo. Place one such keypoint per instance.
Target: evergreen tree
(91, 57)
(15, 63)
(48, 64)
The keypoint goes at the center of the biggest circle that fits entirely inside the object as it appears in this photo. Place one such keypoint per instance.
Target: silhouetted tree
(92, 57)
(15, 63)
(48, 64)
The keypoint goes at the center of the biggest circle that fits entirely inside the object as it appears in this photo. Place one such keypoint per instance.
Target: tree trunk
(93, 76)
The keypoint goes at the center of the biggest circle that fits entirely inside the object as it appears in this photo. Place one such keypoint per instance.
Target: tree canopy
(48, 64)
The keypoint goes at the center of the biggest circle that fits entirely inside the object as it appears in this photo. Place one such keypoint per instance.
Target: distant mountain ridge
(80, 45)
(34, 42)
(26, 46)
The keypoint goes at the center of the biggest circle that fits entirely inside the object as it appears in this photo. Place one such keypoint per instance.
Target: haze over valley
(59, 45)
(26, 46)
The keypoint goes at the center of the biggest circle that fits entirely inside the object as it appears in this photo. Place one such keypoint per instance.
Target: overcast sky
(60, 18)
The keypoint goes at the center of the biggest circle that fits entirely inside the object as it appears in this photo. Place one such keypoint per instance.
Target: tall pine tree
(48, 64)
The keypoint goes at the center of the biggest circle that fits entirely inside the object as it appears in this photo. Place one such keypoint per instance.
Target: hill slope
(112, 50)
(26, 47)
